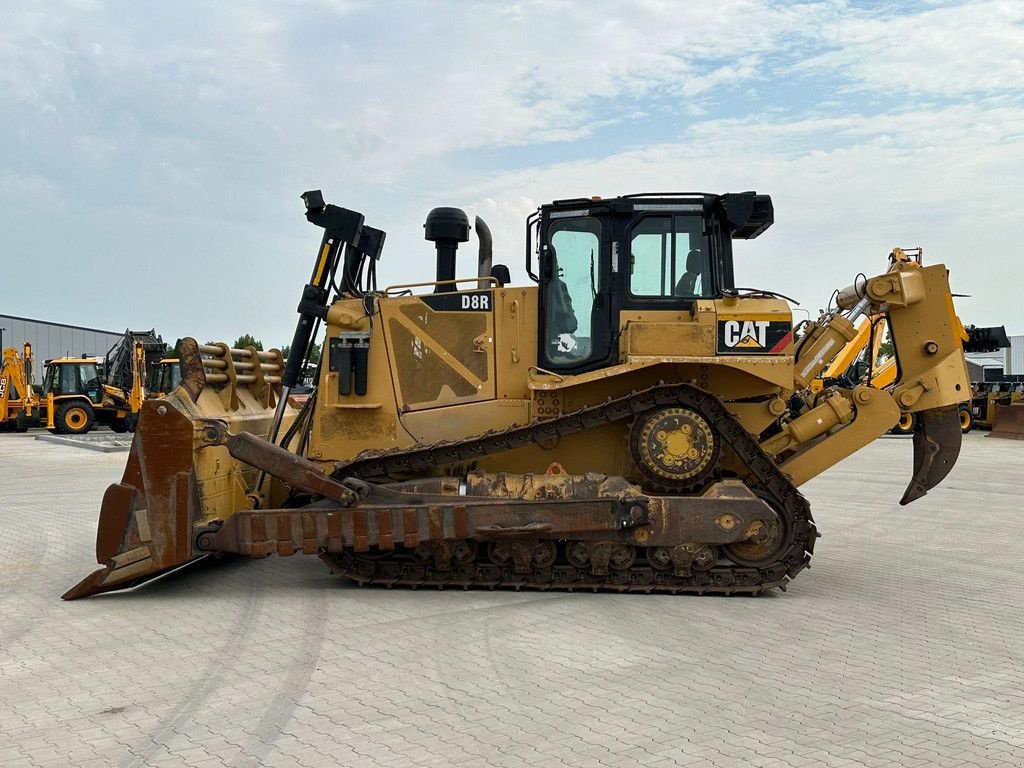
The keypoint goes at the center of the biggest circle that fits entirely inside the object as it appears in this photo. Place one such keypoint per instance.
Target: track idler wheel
(674, 447)
(765, 543)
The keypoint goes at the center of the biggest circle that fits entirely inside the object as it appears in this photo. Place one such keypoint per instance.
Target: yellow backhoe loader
(164, 376)
(19, 404)
(81, 392)
(631, 421)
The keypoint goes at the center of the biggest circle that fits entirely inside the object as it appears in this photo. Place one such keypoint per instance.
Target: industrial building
(993, 366)
(50, 340)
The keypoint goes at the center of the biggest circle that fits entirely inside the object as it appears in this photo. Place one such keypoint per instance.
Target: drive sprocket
(674, 447)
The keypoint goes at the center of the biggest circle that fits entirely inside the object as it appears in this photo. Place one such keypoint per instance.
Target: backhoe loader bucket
(169, 485)
(1009, 421)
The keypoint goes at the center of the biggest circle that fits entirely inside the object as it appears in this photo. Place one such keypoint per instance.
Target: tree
(314, 356)
(247, 340)
(173, 353)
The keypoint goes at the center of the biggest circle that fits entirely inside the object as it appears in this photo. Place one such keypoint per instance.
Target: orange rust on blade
(461, 522)
(362, 541)
(411, 526)
(309, 537)
(115, 513)
(334, 540)
(260, 545)
(385, 538)
(163, 444)
(182, 497)
(193, 377)
(436, 526)
(245, 535)
(285, 548)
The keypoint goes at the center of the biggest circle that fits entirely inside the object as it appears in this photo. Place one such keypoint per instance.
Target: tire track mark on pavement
(211, 678)
(294, 682)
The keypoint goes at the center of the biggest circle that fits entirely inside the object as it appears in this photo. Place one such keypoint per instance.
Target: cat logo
(750, 334)
(754, 335)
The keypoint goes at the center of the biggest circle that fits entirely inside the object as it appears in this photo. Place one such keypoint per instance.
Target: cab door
(575, 333)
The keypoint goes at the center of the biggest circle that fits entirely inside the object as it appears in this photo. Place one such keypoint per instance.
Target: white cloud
(944, 180)
(194, 126)
(966, 48)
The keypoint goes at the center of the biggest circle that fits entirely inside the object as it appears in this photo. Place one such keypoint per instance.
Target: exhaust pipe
(485, 256)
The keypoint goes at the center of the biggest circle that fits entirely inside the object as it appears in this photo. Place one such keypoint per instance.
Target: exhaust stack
(485, 254)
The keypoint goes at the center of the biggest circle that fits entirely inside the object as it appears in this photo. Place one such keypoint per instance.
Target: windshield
(50, 379)
(669, 258)
(75, 378)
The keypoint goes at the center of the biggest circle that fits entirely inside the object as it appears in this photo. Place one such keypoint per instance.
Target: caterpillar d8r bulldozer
(632, 421)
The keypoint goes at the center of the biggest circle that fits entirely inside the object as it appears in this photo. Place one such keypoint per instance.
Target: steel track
(762, 475)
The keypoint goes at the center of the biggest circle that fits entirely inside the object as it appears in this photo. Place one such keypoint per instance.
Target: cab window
(573, 280)
(669, 258)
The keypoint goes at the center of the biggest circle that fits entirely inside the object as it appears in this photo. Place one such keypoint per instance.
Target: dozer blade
(175, 480)
(145, 520)
(937, 438)
(1009, 421)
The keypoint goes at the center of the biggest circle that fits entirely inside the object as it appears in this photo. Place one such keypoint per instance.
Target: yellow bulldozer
(631, 421)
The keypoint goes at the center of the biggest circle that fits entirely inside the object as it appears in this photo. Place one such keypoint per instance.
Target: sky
(152, 154)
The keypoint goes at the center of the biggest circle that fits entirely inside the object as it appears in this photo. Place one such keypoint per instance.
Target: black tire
(966, 420)
(905, 426)
(127, 424)
(74, 418)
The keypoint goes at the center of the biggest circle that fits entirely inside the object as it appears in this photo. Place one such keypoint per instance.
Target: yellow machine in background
(632, 421)
(164, 376)
(82, 392)
(862, 362)
(19, 405)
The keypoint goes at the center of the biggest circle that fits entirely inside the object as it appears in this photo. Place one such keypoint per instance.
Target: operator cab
(73, 376)
(164, 377)
(598, 258)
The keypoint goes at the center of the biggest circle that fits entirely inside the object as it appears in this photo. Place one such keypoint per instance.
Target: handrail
(477, 279)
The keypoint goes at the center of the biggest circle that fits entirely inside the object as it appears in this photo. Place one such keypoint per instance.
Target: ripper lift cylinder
(826, 343)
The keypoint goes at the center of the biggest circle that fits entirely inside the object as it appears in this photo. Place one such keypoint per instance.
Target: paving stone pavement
(902, 646)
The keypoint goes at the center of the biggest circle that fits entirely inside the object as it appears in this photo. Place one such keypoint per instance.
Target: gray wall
(50, 340)
(1014, 356)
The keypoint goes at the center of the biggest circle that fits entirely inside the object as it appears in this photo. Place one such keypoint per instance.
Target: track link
(762, 475)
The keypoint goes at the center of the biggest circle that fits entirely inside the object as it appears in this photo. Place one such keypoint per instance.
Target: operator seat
(686, 283)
